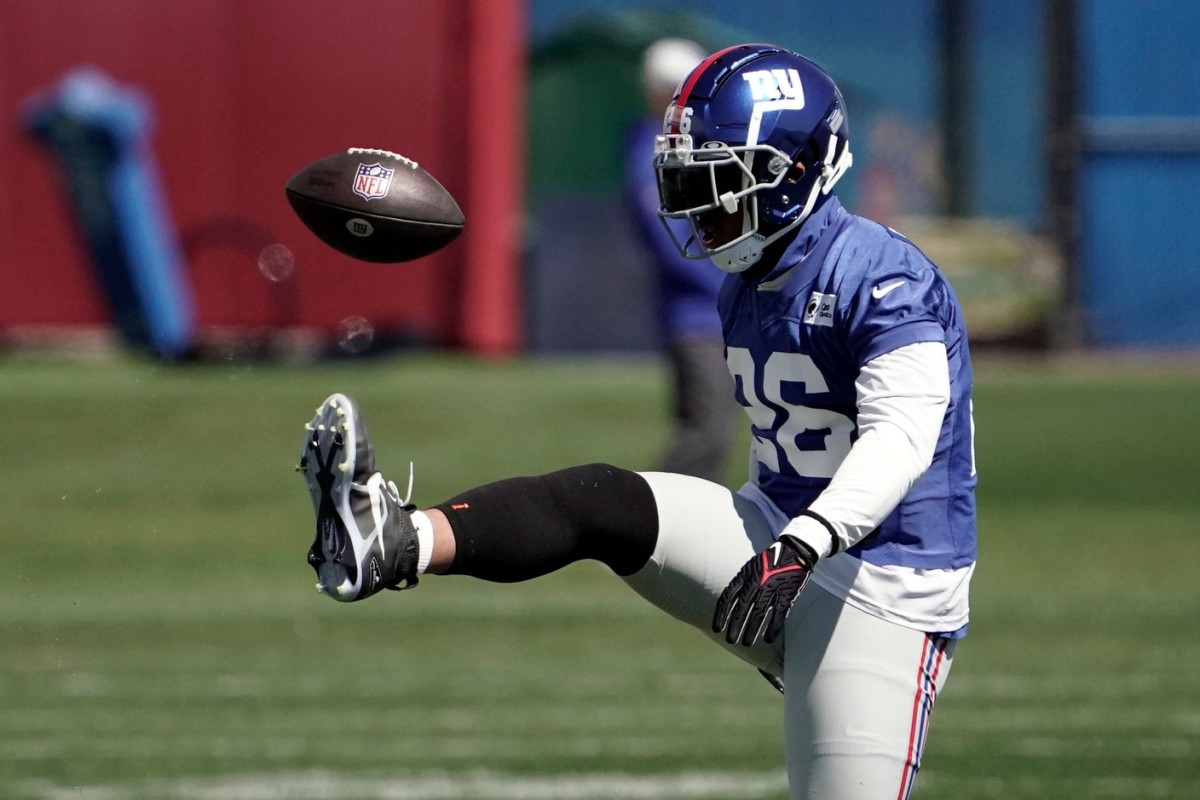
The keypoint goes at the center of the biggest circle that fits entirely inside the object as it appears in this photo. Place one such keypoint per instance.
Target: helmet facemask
(696, 183)
(715, 179)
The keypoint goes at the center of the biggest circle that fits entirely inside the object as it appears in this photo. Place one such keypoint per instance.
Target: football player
(704, 412)
(841, 568)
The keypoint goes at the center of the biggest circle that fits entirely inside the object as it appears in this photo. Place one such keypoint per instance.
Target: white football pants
(860, 689)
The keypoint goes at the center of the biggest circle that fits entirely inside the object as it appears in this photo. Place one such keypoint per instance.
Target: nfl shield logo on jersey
(372, 181)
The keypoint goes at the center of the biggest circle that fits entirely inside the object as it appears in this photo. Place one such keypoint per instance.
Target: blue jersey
(844, 292)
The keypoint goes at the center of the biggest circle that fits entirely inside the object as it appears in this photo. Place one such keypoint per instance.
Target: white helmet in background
(664, 66)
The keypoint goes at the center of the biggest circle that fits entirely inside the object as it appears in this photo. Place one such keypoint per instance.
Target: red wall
(245, 94)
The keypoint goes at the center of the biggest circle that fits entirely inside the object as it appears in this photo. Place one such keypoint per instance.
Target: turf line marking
(435, 786)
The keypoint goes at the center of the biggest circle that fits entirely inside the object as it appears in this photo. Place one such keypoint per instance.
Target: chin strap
(746, 253)
(741, 256)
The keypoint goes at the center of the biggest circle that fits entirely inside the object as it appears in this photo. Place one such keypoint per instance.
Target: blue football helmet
(757, 131)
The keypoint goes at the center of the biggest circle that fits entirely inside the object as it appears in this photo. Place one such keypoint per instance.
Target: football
(375, 205)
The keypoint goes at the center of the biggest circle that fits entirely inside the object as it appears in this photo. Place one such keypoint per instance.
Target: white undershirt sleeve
(902, 400)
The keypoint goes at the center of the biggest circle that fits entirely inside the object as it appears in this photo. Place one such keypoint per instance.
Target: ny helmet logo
(776, 84)
(772, 90)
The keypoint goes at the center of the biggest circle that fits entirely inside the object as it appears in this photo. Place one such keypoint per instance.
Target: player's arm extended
(902, 400)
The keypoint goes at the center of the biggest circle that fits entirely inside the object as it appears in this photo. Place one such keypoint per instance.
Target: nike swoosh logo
(881, 291)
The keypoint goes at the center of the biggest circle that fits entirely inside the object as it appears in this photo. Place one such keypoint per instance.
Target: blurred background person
(702, 406)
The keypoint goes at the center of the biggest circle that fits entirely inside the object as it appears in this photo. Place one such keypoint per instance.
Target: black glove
(757, 600)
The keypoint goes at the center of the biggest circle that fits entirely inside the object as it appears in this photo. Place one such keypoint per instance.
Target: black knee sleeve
(520, 528)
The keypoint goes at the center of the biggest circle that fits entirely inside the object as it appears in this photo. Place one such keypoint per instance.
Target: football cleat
(366, 540)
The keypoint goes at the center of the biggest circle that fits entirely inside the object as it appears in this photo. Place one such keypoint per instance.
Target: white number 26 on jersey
(795, 368)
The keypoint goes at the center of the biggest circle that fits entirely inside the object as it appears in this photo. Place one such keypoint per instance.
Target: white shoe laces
(395, 492)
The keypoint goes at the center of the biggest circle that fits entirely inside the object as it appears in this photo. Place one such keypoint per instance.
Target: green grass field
(160, 636)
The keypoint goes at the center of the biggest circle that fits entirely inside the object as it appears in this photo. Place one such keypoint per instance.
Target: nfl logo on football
(372, 181)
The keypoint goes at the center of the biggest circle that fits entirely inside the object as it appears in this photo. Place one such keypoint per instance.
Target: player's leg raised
(705, 534)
